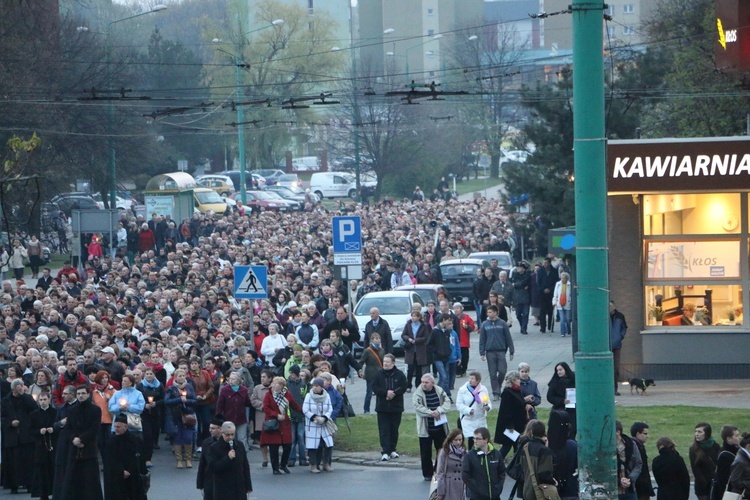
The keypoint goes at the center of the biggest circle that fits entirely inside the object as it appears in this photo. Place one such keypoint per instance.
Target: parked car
(222, 184)
(120, 203)
(289, 180)
(306, 164)
(271, 175)
(429, 292)
(209, 200)
(252, 180)
(395, 307)
(504, 259)
(338, 184)
(261, 200)
(74, 201)
(458, 277)
(288, 193)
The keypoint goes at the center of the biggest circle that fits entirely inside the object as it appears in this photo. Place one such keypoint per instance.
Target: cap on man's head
(108, 350)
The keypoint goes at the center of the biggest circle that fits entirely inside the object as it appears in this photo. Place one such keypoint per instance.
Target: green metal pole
(111, 124)
(594, 369)
(240, 130)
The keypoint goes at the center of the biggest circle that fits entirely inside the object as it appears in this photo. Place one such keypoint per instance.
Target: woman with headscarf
(318, 438)
(563, 379)
(42, 428)
(276, 405)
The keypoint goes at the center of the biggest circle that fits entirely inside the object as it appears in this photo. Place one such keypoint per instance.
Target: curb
(366, 462)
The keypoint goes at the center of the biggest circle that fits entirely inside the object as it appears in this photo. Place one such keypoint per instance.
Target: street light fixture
(240, 111)
(111, 107)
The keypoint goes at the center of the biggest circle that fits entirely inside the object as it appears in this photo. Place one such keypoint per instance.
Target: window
(430, 12)
(430, 32)
(610, 31)
(695, 252)
(628, 8)
(628, 30)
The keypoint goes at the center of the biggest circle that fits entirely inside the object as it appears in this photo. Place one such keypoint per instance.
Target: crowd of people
(143, 338)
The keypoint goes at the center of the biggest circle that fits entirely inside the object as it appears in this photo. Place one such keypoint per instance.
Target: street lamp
(435, 37)
(111, 107)
(355, 110)
(240, 111)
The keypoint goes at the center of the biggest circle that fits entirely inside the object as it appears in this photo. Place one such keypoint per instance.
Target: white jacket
(558, 292)
(16, 258)
(464, 400)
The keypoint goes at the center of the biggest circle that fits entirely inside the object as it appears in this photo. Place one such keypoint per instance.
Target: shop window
(677, 214)
(694, 305)
(704, 259)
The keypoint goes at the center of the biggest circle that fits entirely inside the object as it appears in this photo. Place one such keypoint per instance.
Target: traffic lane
(362, 482)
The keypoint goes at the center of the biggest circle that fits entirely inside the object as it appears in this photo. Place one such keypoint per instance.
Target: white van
(333, 185)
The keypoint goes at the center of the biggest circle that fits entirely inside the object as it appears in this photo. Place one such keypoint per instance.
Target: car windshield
(281, 190)
(386, 305)
(273, 196)
(453, 270)
(208, 197)
(426, 294)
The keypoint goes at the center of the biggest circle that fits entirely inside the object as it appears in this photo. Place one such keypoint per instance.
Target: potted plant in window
(656, 314)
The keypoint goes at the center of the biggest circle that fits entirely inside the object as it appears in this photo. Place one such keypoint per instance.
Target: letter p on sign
(346, 228)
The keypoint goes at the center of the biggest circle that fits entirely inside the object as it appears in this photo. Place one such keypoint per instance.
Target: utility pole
(597, 470)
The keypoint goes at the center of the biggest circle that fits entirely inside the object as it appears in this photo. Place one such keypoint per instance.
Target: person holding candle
(153, 391)
(473, 403)
(181, 400)
(17, 452)
(128, 400)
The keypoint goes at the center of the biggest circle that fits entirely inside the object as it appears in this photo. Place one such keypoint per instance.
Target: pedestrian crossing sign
(250, 282)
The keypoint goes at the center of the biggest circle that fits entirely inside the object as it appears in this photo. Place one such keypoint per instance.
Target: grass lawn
(676, 422)
(478, 185)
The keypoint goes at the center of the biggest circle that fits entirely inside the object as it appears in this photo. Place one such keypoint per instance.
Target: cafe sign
(674, 165)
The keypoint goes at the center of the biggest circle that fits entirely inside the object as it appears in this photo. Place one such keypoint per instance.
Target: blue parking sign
(250, 282)
(347, 234)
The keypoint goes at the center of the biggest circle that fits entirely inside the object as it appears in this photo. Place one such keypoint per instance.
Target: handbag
(134, 422)
(332, 427)
(189, 420)
(515, 467)
(541, 491)
(728, 495)
(271, 425)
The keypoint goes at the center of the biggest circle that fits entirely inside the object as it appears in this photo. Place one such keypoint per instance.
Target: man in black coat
(389, 387)
(42, 429)
(349, 329)
(82, 480)
(230, 472)
(123, 464)
(64, 434)
(18, 443)
(643, 487)
(545, 281)
(203, 480)
(381, 326)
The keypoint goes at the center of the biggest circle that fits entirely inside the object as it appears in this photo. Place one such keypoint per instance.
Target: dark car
(74, 201)
(458, 278)
(504, 259)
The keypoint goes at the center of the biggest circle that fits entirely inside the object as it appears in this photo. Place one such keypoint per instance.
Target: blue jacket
(337, 401)
(455, 348)
(618, 327)
(136, 402)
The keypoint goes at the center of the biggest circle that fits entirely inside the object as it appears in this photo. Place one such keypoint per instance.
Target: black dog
(640, 384)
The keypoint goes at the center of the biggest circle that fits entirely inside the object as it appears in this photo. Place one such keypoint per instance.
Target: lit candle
(123, 401)
(485, 398)
(35, 396)
(150, 399)
(183, 393)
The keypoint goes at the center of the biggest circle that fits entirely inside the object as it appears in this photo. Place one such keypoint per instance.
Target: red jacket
(147, 241)
(231, 405)
(271, 409)
(65, 381)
